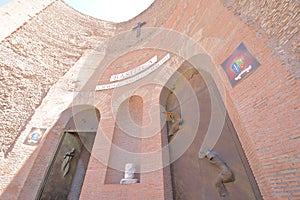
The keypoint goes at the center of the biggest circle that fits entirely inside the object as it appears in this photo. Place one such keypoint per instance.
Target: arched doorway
(65, 175)
(203, 178)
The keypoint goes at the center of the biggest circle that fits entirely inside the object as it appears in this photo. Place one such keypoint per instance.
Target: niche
(126, 140)
(66, 172)
(193, 177)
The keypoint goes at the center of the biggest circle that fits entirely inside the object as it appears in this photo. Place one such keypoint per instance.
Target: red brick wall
(264, 107)
(97, 185)
(127, 136)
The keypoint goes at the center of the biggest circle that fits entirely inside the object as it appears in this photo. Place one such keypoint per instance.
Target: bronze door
(195, 178)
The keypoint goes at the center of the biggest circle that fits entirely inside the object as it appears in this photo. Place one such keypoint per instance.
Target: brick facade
(264, 108)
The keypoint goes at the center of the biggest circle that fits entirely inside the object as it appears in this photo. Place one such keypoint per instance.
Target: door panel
(195, 178)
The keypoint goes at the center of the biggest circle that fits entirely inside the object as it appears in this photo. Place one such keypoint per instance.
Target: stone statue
(225, 176)
(65, 167)
(129, 174)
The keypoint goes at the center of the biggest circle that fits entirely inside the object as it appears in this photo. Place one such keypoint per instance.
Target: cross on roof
(138, 28)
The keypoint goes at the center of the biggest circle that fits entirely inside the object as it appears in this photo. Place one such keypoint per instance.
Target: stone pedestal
(127, 181)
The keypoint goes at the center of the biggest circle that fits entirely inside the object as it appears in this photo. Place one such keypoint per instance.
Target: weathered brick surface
(279, 20)
(264, 107)
(34, 57)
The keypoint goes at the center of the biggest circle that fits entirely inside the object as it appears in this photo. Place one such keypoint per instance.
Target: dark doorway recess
(65, 175)
(192, 177)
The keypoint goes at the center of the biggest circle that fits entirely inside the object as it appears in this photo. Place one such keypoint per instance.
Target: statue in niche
(175, 126)
(225, 176)
(176, 123)
(129, 174)
(65, 166)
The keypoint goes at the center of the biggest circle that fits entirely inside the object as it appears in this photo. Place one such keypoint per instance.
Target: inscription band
(134, 71)
(135, 78)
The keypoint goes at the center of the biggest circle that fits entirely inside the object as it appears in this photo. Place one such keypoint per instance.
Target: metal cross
(138, 28)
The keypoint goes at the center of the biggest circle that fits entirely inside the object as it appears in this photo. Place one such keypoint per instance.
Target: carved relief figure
(225, 176)
(65, 166)
(175, 126)
(176, 122)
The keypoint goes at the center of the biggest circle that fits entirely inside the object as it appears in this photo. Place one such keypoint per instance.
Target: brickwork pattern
(280, 20)
(264, 107)
(34, 57)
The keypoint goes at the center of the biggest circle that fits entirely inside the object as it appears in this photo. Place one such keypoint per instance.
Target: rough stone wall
(34, 57)
(280, 20)
(24, 10)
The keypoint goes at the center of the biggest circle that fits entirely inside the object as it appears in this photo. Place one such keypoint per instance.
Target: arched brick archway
(264, 107)
(193, 177)
(76, 128)
(150, 91)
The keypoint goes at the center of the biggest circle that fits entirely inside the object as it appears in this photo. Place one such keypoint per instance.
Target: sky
(111, 10)
(2, 2)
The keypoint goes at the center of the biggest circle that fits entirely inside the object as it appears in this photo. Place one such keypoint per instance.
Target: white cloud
(111, 10)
